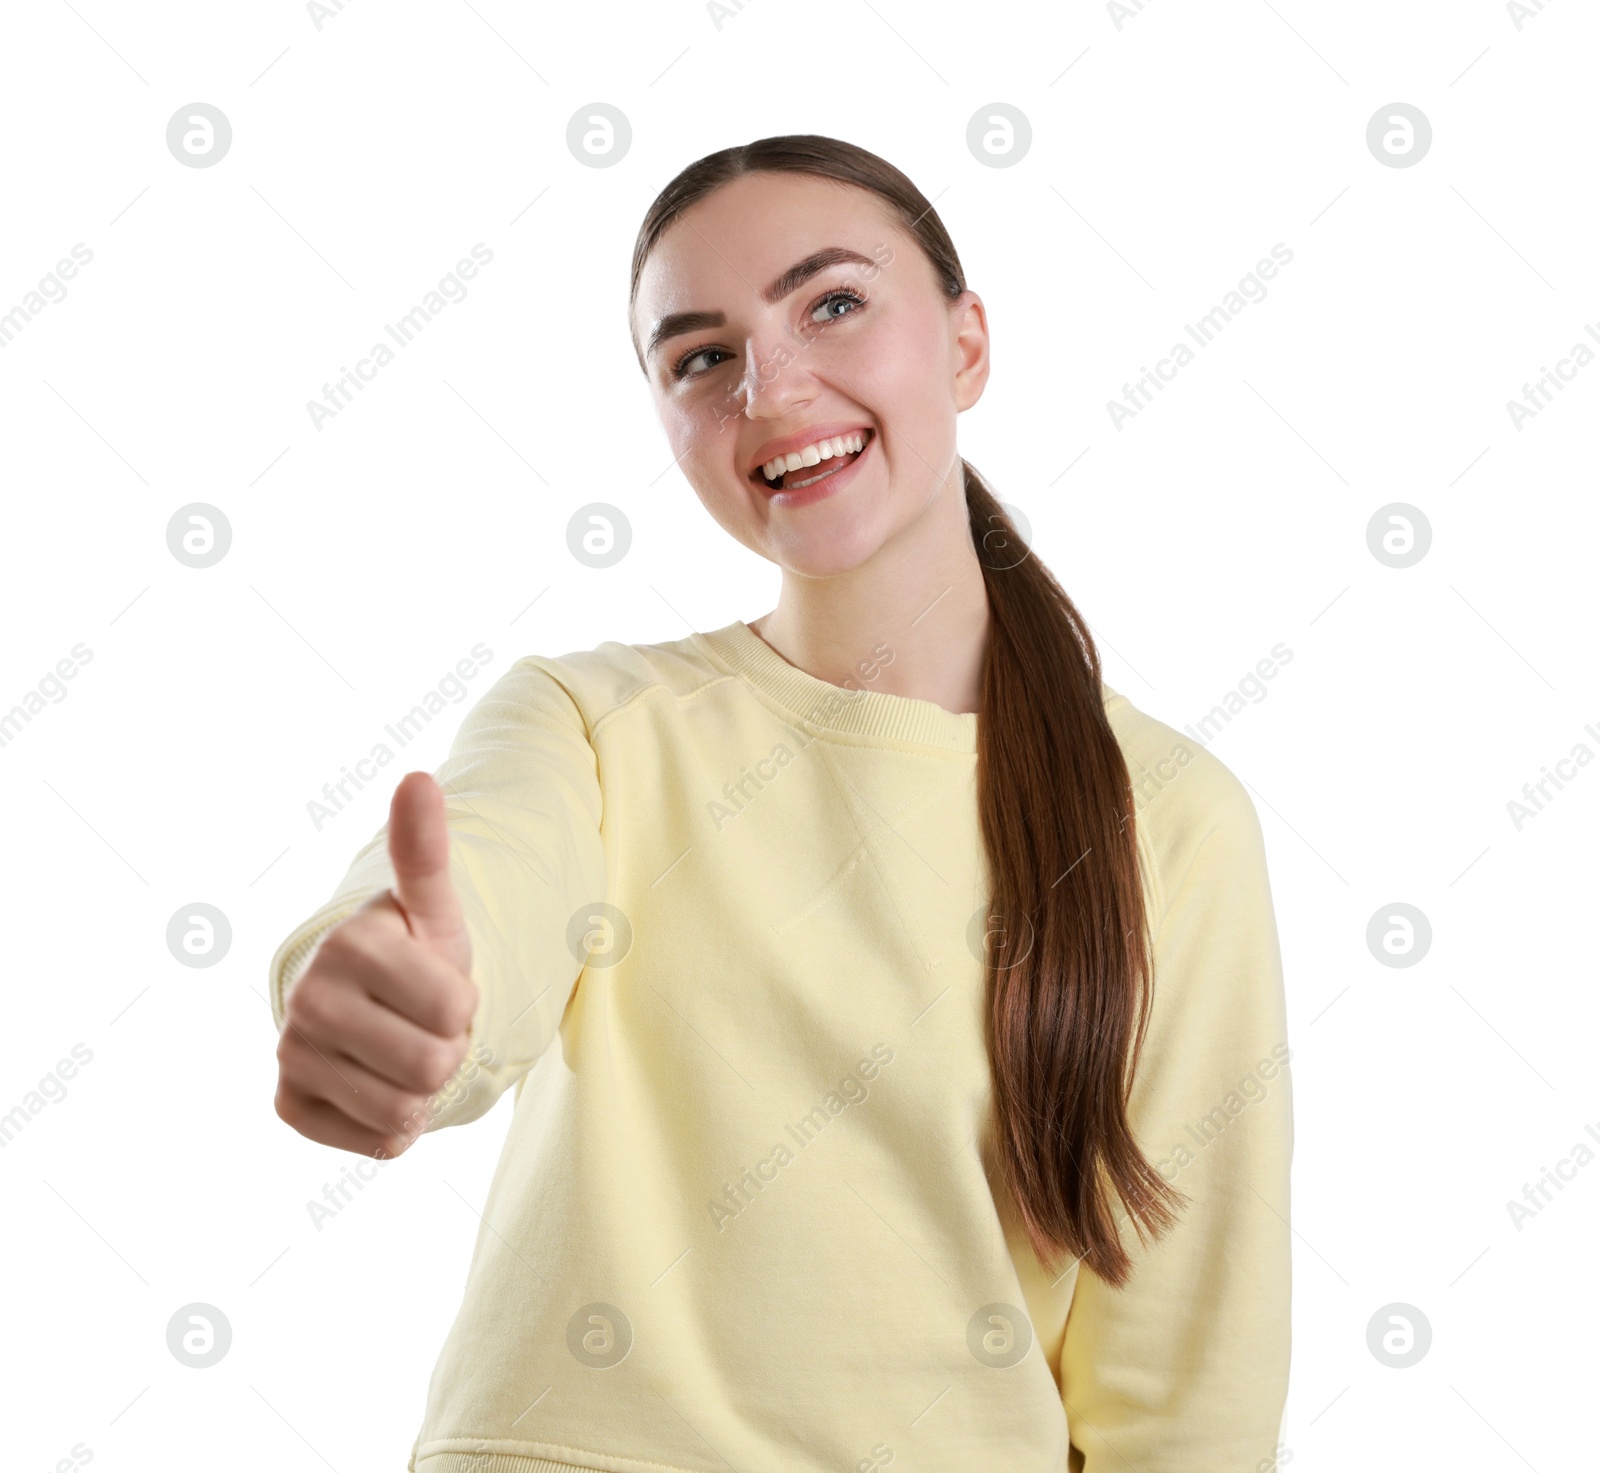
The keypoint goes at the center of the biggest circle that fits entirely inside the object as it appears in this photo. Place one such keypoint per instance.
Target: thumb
(419, 850)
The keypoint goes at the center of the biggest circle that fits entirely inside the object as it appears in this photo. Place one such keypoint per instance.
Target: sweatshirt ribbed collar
(821, 705)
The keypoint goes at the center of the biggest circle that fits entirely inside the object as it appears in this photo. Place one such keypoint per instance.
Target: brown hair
(1068, 955)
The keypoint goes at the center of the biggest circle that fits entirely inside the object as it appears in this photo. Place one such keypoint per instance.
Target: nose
(775, 380)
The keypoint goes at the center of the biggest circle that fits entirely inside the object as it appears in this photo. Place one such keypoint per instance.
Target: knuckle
(346, 944)
(429, 1063)
(463, 1007)
(410, 1123)
(287, 1107)
(305, 1008)
(405, 1128)
(443, 1057)
(296, 1060)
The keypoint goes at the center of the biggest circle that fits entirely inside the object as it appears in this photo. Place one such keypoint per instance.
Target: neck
(910, 621)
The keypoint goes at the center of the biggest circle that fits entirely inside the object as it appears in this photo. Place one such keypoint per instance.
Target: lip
(789, 444)
(828, 486)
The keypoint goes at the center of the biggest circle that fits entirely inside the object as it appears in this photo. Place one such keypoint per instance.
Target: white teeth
(813, 454)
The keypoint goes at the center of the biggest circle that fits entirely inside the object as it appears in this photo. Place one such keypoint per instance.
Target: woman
(919, 1091)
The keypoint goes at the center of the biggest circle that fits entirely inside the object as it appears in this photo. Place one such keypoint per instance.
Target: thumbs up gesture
(378, 1022)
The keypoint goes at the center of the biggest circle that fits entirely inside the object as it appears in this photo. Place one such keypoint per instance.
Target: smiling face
(786, 310)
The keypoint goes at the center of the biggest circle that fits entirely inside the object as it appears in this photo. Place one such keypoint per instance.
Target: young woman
(894, 1011)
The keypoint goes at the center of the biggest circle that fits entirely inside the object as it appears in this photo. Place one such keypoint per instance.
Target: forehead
(739, 238)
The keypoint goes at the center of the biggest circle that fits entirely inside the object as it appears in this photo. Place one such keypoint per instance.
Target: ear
(969, 348)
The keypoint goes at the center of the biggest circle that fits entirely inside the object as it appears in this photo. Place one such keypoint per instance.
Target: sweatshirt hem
(493, 1455)
(496, 1463)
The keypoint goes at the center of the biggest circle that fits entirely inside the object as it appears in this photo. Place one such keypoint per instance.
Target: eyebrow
(674, 324)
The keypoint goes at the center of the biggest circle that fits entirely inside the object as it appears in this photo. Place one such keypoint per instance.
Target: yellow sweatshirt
(724, 921)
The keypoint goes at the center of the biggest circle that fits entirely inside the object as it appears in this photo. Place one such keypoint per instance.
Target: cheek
(908, 384)
(689, 444)
(899, 367)
(697, 435)
(678, 424)
(704, 460)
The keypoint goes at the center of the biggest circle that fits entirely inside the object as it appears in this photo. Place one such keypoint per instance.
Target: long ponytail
(1068, 964)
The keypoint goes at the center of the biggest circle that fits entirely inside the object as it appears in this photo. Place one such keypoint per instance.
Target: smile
(834, 467)
(840, 457)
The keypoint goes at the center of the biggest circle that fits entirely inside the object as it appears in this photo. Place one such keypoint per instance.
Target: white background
(1168, 156)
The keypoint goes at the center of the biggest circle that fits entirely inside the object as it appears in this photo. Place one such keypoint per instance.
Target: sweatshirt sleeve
(1186, 1368)
(522, 801)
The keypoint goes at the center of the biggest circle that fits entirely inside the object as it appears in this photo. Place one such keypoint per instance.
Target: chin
(827, 548)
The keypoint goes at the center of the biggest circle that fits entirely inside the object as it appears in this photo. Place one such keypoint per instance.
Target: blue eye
(843, 294)
(680, 369)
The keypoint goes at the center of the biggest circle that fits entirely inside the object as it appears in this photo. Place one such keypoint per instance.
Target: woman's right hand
(378, 1022)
